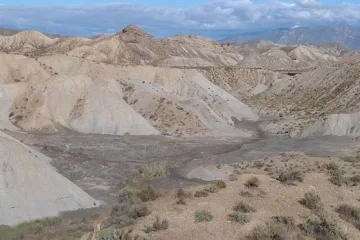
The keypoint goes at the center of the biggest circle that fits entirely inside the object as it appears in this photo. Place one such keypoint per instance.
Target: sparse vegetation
(350, 159)
(243, 207)
(201, 193)
(279, 228)
(145, 194)
(211, 189)
(253, 182)
(157, 225)
(311, 201)
(203, 216)
(73, 228)
(154, 170)
(181, 195)
(220, 184)
(290, 176)
(233, 177)
(238, 217)
(148, 194)
(321, 228)
(350, 214)
(246, 194)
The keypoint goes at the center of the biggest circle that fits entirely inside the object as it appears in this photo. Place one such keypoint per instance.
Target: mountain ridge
(315, 35)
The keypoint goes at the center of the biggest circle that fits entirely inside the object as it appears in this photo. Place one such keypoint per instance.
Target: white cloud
(216, 17)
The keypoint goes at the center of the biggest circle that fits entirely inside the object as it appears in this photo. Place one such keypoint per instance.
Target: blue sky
(162, 18)
(153, 2)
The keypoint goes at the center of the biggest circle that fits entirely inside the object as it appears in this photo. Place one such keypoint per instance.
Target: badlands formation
(195, 96)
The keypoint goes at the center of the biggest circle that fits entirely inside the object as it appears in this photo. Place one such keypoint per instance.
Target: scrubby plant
(252, 182)
(311, 201)
(203, 216)
(201, 193)
(246, 194)
(211, 188)
(154, 170)
(243, 207)
(148, 194)
(350, 214)
(157, 225)
(321, 227)
(182, 194)
(220, 184)
(238, 217)
(288, 177)
(276, 229)
(233, 177)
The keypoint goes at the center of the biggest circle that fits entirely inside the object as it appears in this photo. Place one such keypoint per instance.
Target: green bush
(350, 214)
(157, 225)
(243, 207)
(155, 170)
(220, 184)
(211, 189)
(311, 201)
(203, 216)
(238, 217)
(233, 177)
(253, 182)
(276, 229)
(181, 194)
(321, 228)
(201, 193)
(288, 177)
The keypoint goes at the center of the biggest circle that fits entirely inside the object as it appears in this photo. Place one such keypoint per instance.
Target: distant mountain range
(315, 35)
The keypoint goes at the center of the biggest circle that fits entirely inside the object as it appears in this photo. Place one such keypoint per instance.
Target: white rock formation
(30, 188)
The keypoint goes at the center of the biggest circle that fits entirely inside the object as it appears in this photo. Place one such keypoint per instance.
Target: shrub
(311, 201)
(181, 202)
(116, 234)
(355, 179)
(258, 165)
(285, 220)
(246, 194)
(181, 194)
(211, 189)
(233, 177)
(332, 167)
(148, 194)
(220, 184)
(275, 229)
(236, 172)
(243, 207)
(350, 159)
(154, 170)
(157, 225)
(121, 221)
(203, 216)
(238, 217)
(201, 193)
(290, 176)
(337, 180)
(321, 228)
(132, 211)
(252, 182)
(350, 214)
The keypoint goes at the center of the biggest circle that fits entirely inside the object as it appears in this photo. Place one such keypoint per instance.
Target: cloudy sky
(216, 19)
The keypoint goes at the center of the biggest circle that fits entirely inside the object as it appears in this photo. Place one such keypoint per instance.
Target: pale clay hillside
(132, 137)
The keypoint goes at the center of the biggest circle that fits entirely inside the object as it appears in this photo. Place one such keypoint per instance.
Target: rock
(30, 188)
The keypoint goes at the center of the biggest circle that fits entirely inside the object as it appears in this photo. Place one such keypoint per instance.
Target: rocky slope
(59, 92)
(31, 188)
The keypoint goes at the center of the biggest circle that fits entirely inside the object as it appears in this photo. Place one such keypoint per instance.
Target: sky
(211, 18)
